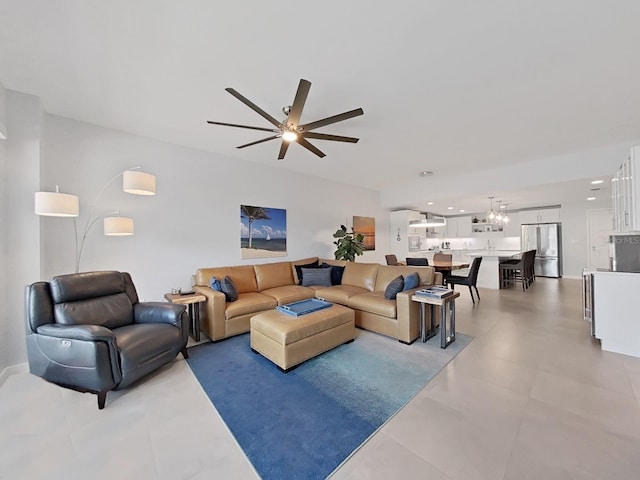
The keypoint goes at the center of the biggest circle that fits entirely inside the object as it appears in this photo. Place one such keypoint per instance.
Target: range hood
(429, 220)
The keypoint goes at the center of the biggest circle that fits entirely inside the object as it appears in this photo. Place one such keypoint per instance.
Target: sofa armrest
(212, 318)
(89, 333)
(437, 278)
(160, 312)
(408, 316)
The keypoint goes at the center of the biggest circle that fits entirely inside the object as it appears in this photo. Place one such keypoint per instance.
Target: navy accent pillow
(300, 267)
(411, 281)
(214, 283)
(336, 273)
(395, 287)
(318, 277)
(229, 289)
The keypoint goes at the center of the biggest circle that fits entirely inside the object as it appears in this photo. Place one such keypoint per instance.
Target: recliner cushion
(86, 285)
(111, 311)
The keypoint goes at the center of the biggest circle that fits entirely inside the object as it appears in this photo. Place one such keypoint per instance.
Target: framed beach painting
(367, 227)
(263, 232)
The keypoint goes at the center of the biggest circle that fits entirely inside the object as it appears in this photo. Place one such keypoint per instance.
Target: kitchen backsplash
(499, 243)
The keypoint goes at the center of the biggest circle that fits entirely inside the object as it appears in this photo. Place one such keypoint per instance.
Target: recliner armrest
(90, 333)
(159, 312)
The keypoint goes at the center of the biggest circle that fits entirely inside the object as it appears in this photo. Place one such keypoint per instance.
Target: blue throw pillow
(316, 277)
(411, 281)
(300, 267)
(395, 287)
(229, 289)
(214, 283)
(336, 273)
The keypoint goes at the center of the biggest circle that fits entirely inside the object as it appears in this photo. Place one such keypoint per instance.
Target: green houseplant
(349, 244)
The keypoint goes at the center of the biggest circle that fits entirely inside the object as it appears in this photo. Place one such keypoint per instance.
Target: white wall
(4, 277)
(20, 227)
(194, 220)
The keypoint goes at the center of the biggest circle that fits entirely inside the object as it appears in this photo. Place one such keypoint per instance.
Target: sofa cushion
(251, 302)
(411, 281)
(374, 302)
(336, 273)
(298, 270)
(395, 287)
(214, 284)
(243, 276)
(271, 275)
(229, 289)
(361, 275)
(320, 277)
(304, 261)
(339, 293)
(289, 293)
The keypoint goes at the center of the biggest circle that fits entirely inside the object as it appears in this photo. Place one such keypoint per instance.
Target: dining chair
(518, 269)
(469, 280)
(392, 260)
(417, 262)
(444, 258)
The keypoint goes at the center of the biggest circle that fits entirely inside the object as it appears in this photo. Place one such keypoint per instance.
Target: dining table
(446, 268)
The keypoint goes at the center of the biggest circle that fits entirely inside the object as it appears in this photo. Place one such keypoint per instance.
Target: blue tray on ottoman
(303, 307)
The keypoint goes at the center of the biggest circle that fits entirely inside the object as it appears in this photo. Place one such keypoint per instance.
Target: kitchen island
(489, 273)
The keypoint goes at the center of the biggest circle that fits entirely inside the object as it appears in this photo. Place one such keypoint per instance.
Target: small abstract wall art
(263, 232)
(367, 227)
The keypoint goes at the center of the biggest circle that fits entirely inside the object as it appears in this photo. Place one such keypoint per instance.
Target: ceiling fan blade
(326, 136)
(310, 147)
(254, 107)
(283, 149)
(298, 103)
(332, 119)
(242, 126)
(259, 141)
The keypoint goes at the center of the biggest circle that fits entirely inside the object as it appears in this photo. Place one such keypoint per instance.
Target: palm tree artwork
(252, 214)
(263, 232)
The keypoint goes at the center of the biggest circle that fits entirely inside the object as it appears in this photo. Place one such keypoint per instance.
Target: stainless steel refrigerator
(546, 240)
(624, 252)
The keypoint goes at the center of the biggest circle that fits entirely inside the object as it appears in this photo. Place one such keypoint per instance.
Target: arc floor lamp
(57, 204)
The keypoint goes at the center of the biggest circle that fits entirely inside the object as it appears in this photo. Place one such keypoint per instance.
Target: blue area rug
(304, 424)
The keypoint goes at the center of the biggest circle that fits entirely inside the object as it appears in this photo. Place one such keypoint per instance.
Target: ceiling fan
(289, 129)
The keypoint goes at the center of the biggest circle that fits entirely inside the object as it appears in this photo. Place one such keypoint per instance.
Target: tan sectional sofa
(265, 286)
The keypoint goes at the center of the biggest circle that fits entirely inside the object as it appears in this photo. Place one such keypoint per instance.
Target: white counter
(616, 304)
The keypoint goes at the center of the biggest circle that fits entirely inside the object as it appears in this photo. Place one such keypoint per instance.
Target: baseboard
(12, 370)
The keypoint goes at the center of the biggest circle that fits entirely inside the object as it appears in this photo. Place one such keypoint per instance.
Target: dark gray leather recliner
(89, 332)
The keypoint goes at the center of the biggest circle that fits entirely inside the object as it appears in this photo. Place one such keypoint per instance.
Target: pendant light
(491, 214)
(505, 217)
(499, 212)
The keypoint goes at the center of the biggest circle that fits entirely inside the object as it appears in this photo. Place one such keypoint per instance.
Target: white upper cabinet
(458, 227)
(512, 227)
(625, 189)
(543, 215)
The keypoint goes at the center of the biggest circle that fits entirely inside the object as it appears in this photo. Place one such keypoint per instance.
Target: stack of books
(435, 292)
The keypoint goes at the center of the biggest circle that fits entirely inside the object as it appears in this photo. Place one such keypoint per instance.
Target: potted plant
(349, 244)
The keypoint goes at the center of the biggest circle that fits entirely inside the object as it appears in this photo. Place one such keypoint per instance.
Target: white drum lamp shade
(54, 204)
(118, 226)
(139, 183)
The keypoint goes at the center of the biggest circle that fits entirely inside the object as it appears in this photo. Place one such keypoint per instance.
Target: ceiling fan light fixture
(289, 136)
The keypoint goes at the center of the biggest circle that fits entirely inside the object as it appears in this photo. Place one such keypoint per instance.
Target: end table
(192, 301)
(445, 304)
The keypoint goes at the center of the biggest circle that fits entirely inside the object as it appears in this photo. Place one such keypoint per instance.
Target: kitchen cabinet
(487, 230)
(458, 227)
(625, 189)
(512, 227)
(542, 215)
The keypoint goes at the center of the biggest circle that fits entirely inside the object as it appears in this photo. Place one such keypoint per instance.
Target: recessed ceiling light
(597, 182)
(429, 203)
(591, 198)
(449, 208)
(461, 211)
(426, 173)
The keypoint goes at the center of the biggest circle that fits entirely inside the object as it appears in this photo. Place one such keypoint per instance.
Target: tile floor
(532, 397)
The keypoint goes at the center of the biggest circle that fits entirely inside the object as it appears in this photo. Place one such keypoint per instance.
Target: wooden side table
(446, 304)
(192, 301)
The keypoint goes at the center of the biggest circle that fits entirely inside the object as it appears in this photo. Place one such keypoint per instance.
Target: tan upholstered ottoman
(288, 341)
